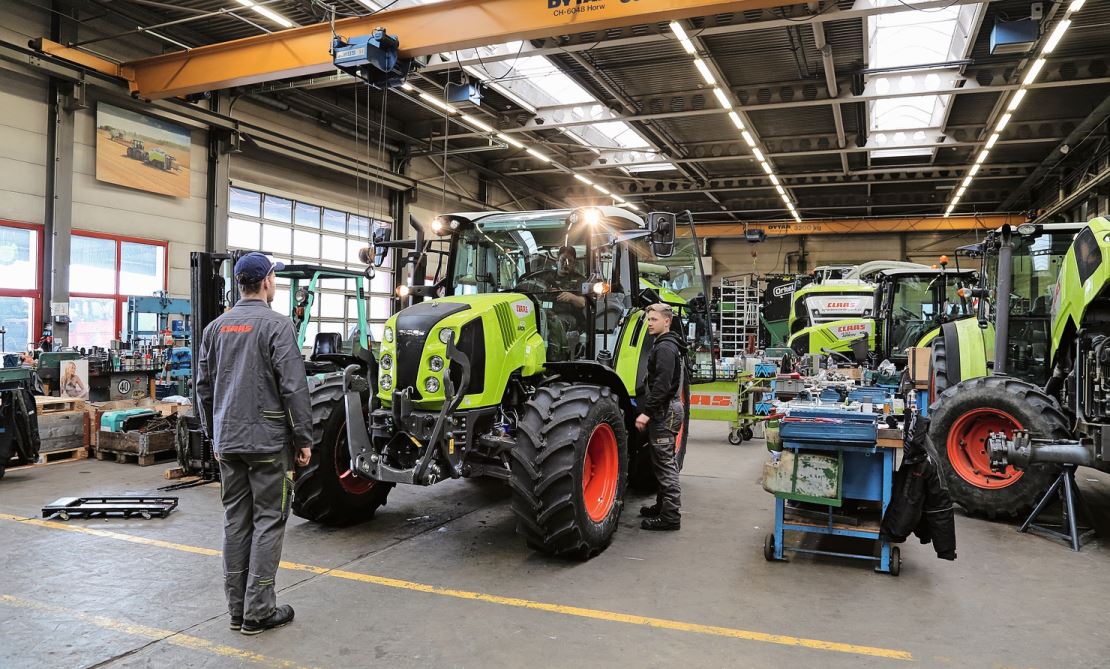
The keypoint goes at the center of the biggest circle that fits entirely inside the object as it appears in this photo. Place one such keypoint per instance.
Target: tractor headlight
(386, 382)
(436, 363)
(389, 334)
(446, 335)
(387, 361)
(431, 384)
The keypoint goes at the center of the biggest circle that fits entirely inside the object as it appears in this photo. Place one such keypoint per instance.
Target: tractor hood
(496, 333)
(1083, 280)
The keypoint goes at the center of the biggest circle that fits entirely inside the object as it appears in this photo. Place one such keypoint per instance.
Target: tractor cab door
(1035, 263)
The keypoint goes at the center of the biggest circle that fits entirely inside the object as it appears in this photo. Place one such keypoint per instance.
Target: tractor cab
(313, 290)
(914, 304)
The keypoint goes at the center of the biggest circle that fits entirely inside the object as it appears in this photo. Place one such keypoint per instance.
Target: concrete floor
(133, 593)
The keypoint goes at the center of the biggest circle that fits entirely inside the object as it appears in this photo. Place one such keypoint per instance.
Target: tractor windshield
(531, 255)
(921, 304)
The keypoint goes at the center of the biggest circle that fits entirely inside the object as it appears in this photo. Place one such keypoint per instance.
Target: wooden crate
(62, 430)
(143, 448)
(96, 409)
(55, 458)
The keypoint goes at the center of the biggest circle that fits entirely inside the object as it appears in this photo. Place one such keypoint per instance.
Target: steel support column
(220, 146)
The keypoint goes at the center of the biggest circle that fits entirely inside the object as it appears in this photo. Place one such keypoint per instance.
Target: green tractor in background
(1023, 390)
(823, 315)
(909, 307)
(520, 361)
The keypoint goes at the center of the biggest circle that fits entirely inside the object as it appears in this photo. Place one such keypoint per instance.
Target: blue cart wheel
(895, 561)
(769, 547)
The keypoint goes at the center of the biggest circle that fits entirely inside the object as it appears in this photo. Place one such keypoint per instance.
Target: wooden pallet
(56, 404)
(141, 460)
(55, 457)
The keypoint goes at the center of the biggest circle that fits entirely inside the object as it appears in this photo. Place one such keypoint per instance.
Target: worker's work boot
(659, 524)
(236, 623)
(649, 511)
(282, 616)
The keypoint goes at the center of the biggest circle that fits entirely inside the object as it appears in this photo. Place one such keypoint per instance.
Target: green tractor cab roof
(554, 216)
(307, 272)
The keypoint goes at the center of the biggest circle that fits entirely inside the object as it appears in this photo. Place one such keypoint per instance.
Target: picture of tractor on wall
(139, 151)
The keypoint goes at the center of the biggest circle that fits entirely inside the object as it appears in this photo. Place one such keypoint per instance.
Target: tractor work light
(403, 291)
(600, 288)
(443, 225)
(388, 334)
(431, 384)
(386, 382)
(1026, 229)
(436, 363)
(387, 362)
(446, 335)
(590, 216)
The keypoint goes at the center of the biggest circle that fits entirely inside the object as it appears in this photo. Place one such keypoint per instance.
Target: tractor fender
(596, 373)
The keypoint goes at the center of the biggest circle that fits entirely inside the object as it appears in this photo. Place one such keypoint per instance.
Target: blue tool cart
(831, 460)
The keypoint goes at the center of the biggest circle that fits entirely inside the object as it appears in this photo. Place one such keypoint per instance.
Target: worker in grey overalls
(254, 405)
(659, 400)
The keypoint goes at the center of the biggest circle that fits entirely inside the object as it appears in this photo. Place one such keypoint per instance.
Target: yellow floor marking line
(596, 614)
(153, 633)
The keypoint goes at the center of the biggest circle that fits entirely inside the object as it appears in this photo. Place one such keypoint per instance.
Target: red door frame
(34, 293)
(121, 298)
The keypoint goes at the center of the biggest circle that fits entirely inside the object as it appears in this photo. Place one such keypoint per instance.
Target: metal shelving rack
(739, 314)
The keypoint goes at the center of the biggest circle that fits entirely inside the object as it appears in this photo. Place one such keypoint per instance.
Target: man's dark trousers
(663, 461)
(256, 493)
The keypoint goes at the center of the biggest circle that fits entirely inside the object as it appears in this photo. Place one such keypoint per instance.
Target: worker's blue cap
(254, 267)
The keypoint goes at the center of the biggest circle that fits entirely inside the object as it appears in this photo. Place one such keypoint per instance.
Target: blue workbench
(867, 474)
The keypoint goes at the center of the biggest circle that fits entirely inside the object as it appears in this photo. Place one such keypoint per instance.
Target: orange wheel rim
(600, 470)
(968, 449)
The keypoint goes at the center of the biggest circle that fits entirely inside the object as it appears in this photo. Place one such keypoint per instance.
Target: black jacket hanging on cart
(920, 503)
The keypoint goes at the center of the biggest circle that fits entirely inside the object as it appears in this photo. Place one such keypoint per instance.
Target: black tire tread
(318, 497)
(939, 368)
(1048, 422)
(543, 468)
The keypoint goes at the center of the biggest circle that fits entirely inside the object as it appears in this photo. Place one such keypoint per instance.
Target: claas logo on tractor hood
(843, 304)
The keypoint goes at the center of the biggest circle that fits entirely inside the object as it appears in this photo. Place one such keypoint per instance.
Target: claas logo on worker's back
(236, 329)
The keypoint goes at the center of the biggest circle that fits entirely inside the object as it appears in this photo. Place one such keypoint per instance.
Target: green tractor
(520, 362)
(159, 159)
(1021, 391)
(137, 151)
(830, 315)
(909, 306)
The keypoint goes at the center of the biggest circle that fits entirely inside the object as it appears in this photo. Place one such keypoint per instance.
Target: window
(104, 270)
(305, 233)
(20, 284)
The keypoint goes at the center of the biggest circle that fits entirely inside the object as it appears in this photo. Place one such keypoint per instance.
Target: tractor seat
(326, 343)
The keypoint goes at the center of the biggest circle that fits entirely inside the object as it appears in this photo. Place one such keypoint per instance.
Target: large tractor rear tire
(327, 491)
(569, 470)
(962, 419)
(938, 370)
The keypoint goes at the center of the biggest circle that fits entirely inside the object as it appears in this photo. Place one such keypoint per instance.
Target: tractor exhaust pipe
(1021, 452)
(1002, 302)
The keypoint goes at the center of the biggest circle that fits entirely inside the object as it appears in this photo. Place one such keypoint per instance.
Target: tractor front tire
(569, 470)
(939, 375)
(326, 491)
(962, 419)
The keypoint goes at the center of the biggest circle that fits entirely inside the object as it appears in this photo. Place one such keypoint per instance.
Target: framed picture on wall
(142, 152)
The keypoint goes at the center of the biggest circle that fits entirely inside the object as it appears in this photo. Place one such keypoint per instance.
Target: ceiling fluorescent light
(1076, 5)
(583, 179)
(1057, 35)
(601, 189)
(476, 123)
(967, 181)
(509, 140)
(960, 193)
(735, 118)
(1002, 122)
(538, 155)
(633, 207)
(774, 180)
(766, 167)
(1016, 100)
(683, 38)
(780, 189)
(758, 154)
(974, 170)
(705, 73)
(268, 13)
(982, 157)
(370, 5)
(722, 98)
(619, 200)
(992, 140)
(1031, 76)
(406, 86)
(748, 138)
(437, 102)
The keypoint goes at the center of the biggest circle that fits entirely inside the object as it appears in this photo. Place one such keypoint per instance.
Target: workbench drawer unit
(867, 474)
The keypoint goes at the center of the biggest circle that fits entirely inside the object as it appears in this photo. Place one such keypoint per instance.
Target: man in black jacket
(661, 415)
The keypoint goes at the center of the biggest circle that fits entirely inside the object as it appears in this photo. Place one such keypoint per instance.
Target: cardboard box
(918, 365)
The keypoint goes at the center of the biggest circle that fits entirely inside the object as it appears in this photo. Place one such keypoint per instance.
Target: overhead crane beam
(423, 30)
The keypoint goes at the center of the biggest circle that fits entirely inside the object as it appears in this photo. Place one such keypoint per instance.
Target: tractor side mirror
(661, 224)
(381, 235)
